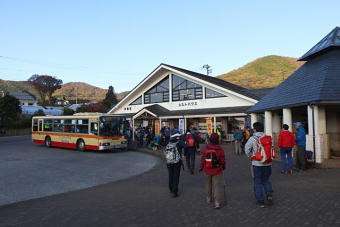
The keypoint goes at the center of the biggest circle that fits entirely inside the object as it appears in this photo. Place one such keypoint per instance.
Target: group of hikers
(258, 147)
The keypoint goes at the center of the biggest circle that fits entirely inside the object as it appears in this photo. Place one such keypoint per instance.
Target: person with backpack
(190, 151)
(173, 157)
(301, 146)
(213, 163)
(167, 135)
(238, 137)
(286, 144)
(259, 148)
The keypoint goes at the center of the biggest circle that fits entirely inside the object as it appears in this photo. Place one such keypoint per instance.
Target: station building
(310, 95)
(179, 98)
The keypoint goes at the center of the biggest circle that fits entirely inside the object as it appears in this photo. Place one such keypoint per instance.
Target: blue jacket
(301, 137)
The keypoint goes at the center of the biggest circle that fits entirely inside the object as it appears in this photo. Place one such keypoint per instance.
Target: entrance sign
(157, 128)
(209, 125)
(181, 126)
(145, 123)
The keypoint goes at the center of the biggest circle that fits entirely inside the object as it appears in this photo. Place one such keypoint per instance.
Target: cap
(214, 138)
(176, 135)
(297, 123)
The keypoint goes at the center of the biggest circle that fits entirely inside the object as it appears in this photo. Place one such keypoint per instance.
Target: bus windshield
(111, 126)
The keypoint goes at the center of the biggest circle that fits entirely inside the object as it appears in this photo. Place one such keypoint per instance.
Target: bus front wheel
(48, 142)
(81, 145)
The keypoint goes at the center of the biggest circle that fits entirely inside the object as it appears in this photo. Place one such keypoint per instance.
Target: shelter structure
(310, 95)
(178, 98)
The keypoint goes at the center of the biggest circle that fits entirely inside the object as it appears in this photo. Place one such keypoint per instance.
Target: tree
(92, 107)
(68, 111)
(10, 109)
(45, 85)
(39, 112)
(110, 99)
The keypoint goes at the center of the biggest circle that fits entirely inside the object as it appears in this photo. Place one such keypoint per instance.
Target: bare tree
(45, 85)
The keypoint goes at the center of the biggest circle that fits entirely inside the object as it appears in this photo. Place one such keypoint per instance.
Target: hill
(85, 91)
(264, 72)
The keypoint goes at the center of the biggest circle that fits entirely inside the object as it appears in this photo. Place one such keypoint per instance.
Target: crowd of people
(252, 142)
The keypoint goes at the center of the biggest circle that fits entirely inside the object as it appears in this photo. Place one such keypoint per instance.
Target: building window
(158, 93)
(183, 89)
(138, 101)
(212, 94)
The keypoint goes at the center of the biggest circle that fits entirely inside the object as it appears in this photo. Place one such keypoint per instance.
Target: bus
(82, 131)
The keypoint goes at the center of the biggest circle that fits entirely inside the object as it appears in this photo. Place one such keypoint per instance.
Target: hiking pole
(224, 186)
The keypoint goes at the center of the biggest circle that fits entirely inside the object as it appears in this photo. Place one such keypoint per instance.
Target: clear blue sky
(120, 42)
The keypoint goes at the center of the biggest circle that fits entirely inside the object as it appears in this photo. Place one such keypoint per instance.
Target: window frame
(197, 88)
(220, 96)
(165, 94)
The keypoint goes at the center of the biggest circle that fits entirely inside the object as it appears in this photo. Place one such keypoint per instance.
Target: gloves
(201, 169)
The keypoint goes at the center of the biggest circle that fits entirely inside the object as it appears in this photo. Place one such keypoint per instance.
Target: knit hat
(214, 138)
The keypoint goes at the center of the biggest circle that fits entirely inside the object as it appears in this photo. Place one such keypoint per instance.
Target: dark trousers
(261, 181)
(300, 158)
(174, 173)
(190, 158)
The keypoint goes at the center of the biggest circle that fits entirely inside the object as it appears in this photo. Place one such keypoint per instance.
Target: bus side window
(94, 128)
(35, 125)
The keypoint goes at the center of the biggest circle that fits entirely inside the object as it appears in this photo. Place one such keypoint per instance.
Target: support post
(287, 118)
(268, 123)
(214, 124)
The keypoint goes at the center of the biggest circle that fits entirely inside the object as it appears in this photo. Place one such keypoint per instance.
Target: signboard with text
(157, 128)
(209, 125)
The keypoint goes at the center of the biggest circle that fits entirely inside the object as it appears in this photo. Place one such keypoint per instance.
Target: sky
(119, 43)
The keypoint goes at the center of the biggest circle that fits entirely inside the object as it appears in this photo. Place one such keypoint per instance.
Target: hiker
(261, 171)
(141, 136)
(190, 151)
(173, 157)
(167, 134)
(213, 163)
(301, 146)
(286, 144)
(238, 137)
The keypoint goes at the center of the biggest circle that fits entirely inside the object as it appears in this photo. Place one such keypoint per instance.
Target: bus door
(40, 125)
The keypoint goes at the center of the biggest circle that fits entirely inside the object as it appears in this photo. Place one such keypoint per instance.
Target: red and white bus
(83, 131)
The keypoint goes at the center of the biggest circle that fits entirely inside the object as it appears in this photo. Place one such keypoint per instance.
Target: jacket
(220, 157)
(286, 139)
(238, 136)
(301, 137)
(251, 148)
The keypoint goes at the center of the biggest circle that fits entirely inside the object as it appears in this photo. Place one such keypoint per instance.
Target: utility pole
(76, 95)
(208, 68)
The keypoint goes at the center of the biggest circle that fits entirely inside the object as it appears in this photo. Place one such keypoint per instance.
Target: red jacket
(286, 139)
(220, 156)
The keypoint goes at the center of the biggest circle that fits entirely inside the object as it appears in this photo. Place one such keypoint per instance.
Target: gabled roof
(317, 81)
(332, 40)
(212, 80)
(217, 81)
(23, 96)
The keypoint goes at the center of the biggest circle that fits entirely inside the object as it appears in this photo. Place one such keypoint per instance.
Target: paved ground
(28, 170)
(310, 198)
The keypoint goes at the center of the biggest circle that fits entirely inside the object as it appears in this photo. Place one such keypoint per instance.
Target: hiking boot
(175, 195)
(270, 199)
(283, 172)
(192, 171)
(260, 204)
(217, 206)
(208, 200)
(290, 172)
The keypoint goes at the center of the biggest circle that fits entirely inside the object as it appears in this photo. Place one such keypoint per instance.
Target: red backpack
(190, 140)
(265, 152)
(211, 160)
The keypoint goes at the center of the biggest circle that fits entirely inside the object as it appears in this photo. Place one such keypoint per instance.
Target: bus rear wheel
(81, 145)
(48, 141)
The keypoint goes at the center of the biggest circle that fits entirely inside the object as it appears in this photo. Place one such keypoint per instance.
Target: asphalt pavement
(28, 170)
(310, 198)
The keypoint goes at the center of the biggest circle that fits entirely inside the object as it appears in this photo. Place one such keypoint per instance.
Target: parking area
(28, 170)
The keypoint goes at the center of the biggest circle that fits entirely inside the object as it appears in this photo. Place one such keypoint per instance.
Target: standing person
(190, 151)
(301, 146)
(286, 144)
(213, 163)
(173, 157)
(167, 134)
(238, 137)
(141, 136)
(261, 171)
